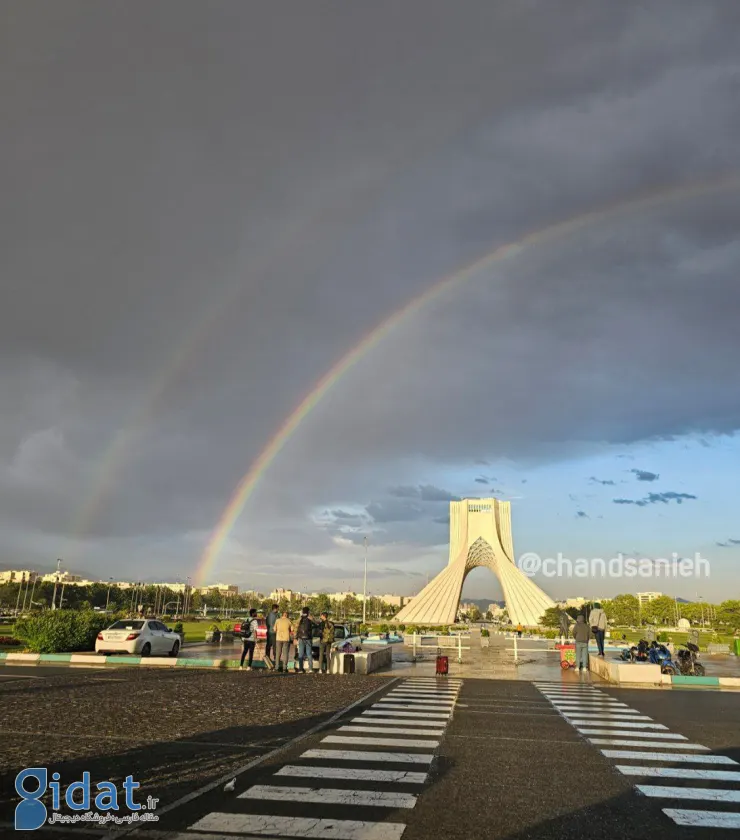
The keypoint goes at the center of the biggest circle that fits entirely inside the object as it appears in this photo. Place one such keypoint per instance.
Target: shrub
(485, 632)
(61, 631)
(9, 641)
(401, 628)
(384, 628)
(364, 629)
(178, 627)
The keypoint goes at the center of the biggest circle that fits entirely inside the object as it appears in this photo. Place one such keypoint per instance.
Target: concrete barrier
(367, 661)
(616, 671)
(22, 658)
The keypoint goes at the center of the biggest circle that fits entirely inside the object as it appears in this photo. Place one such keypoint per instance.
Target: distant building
(17, 576)
(279, 594)
(61, 577)
(226, 589)
(647, 597)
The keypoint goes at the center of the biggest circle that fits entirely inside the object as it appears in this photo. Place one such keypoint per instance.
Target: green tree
(551, 617)
(728, 614)
(624, 610)
(489, 615)
(661, 611)
(475, 614)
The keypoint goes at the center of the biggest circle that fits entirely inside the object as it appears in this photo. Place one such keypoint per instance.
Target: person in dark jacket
(249, 639)
(581, 634)
(326, 640)
(304, 638)
(270, 643)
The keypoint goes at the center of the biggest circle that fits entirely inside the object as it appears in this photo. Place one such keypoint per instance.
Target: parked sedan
(141, 637)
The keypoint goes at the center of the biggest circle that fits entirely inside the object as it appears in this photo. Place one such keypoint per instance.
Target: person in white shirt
(597, 622)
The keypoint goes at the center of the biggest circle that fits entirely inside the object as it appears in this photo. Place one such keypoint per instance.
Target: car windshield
(127, 625)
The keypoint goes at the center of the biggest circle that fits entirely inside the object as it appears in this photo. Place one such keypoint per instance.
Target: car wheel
(175, 649)
(146, 650)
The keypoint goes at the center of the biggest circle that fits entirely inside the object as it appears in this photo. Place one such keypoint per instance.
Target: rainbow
(553, 232)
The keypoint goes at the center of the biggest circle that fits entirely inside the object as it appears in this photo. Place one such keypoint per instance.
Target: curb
(93, 661)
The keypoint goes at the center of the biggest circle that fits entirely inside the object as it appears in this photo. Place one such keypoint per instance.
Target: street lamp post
(56, 581)
(364, 586)
(18, 599)
(107, 597)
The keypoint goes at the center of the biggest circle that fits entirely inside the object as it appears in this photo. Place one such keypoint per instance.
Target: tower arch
(480, 535)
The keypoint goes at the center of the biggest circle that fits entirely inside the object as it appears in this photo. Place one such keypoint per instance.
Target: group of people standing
(282, 633)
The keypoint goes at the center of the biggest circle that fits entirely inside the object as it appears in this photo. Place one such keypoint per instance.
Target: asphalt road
(510, 760)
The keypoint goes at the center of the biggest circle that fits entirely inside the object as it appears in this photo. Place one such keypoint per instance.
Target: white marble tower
(480, 535)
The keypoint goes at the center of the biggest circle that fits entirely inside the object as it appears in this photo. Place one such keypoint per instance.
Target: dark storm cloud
(644, 475)
(204, 208)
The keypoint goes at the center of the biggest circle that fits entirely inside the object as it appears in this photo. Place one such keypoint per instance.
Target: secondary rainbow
(558, 230)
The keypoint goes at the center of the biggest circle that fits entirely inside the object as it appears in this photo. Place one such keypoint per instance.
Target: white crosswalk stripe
(663, 745)
(368, 756)
(298, 827)
(381, 730)
(703, 819)
(680, 773)
(673, 757)
(349, 774)
(402, 731)
(393, 722)
(374, 711)
(357, 740)
(708, 794)
(622, 733)
(595, 713)
(331, 796)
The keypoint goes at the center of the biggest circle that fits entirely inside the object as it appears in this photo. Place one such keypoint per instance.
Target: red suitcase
(443, 665)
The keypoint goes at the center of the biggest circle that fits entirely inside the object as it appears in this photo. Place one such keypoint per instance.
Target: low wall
(367, 661)
(618, 672)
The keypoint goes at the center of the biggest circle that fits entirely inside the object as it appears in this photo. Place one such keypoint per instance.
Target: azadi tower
(480, 535)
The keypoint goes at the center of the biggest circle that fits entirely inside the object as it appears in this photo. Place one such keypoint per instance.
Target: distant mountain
(483, 603)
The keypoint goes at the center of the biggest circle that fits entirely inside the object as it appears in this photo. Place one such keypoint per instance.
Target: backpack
(246, 629)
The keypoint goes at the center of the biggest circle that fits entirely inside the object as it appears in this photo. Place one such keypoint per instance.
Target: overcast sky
(205, 206)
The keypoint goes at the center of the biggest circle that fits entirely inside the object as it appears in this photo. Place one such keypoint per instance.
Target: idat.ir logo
(31, 813)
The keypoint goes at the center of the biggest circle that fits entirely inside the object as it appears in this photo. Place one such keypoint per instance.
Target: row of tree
(145, 598)
(626, 611)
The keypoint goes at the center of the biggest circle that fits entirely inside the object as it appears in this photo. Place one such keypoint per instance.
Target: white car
(138, 636)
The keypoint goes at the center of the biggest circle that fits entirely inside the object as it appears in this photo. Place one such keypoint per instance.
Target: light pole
(56, 581)
(107, 597)
(33, 589)
(20, 587)
(364, 585)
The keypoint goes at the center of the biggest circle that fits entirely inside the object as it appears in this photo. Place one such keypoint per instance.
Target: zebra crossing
(648, 747)
(358, 783)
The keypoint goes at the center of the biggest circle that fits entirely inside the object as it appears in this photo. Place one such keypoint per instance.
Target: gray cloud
(581, 514)
(190, 239)
(644, 475)
(606, 482)
(655, 498)
(728, 544)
